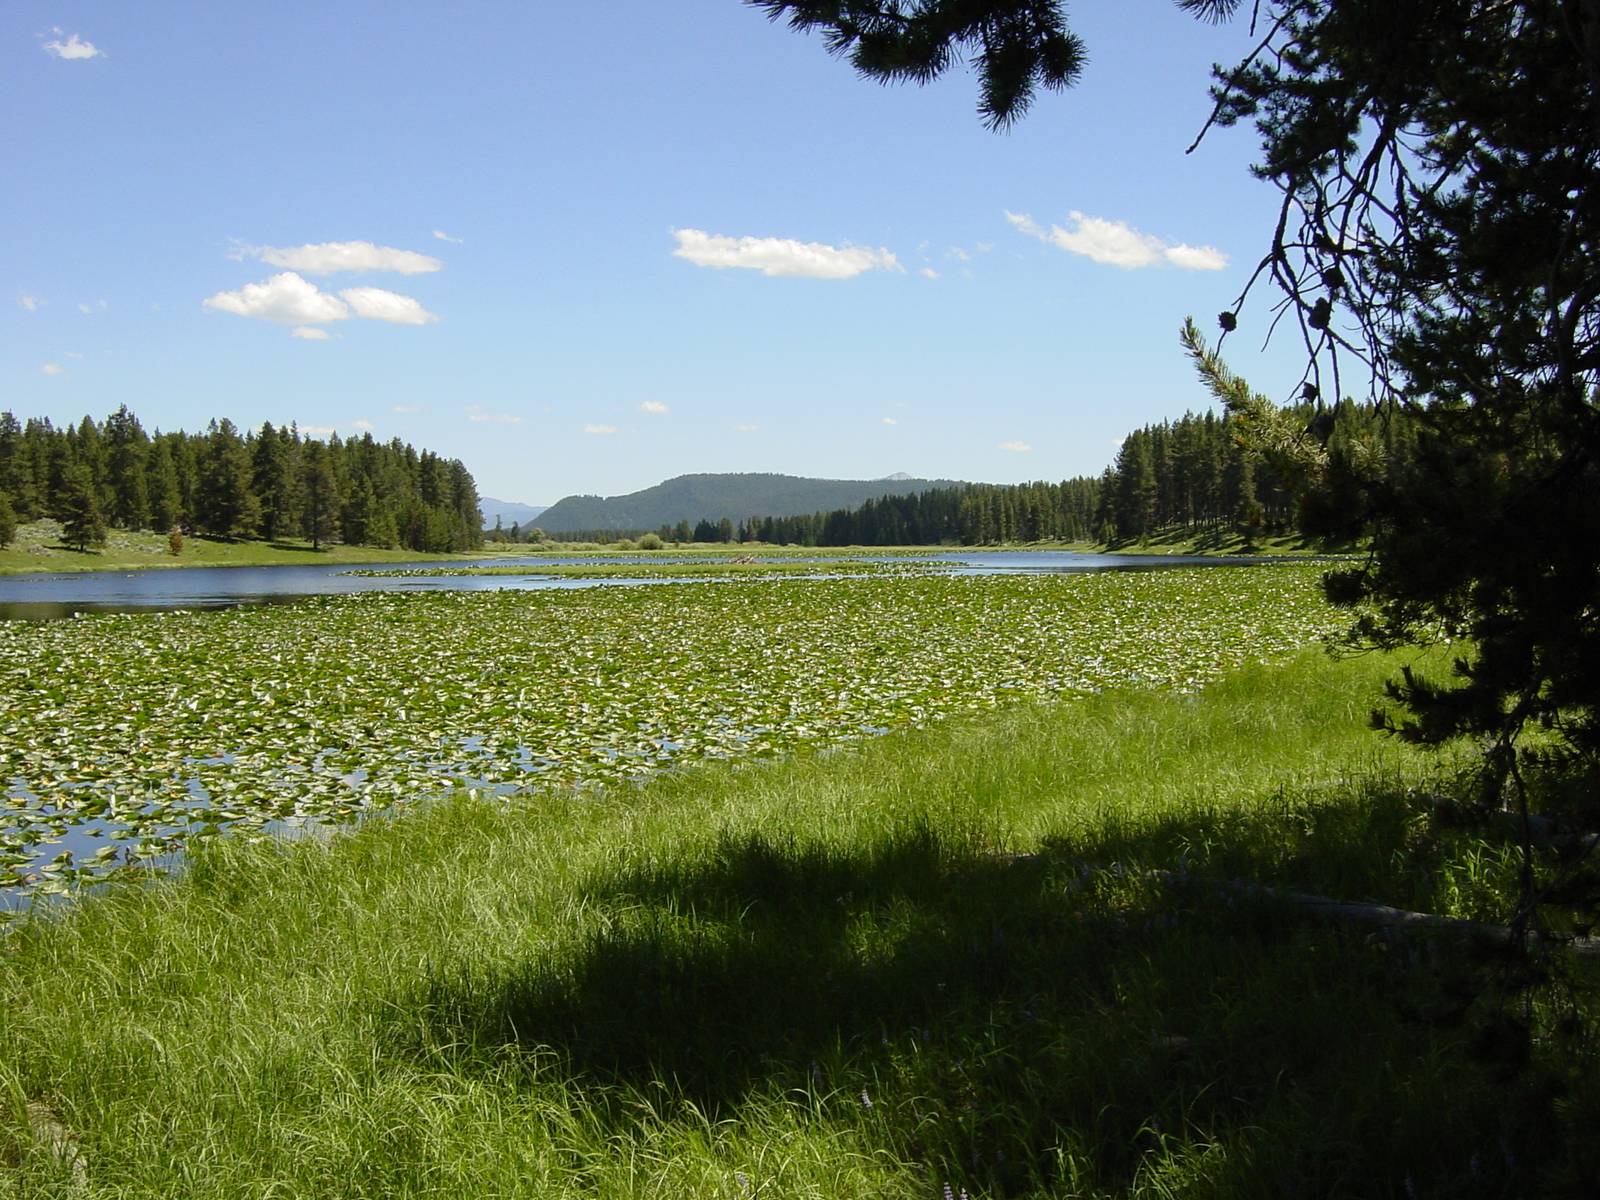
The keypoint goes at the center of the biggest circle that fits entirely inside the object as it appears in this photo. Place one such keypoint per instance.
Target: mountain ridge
(712, 496)
(510, 512)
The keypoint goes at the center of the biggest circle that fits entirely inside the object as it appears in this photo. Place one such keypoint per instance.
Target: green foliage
(1437, 235)
(1436, 164)
(8, 520)
(83, 524)
(333, 708)
(937, 959)
(1014, 46)
(238, 486)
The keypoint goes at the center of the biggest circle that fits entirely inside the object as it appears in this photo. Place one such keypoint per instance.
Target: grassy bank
(39, 547)
(831, 976)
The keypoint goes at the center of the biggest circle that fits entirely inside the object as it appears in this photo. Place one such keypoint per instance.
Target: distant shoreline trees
(270, 483)
(1197, 476)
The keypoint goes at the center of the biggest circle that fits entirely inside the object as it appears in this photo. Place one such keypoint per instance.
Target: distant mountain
(694, 498)
(509, 511)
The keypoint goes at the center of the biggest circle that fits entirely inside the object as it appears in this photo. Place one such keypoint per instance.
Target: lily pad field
(122, 737)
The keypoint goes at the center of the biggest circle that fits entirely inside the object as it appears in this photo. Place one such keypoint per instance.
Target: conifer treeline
(1191, 476)
(269, 483)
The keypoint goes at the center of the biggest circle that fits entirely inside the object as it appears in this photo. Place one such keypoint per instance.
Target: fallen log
(1380, 916)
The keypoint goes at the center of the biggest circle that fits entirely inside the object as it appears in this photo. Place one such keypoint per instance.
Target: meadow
(975, 889)
(39, 546)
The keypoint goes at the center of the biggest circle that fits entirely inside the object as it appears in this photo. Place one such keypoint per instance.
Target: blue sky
(586, 247)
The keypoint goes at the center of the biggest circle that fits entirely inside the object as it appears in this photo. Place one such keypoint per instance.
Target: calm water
(47, 596)
(36, 597)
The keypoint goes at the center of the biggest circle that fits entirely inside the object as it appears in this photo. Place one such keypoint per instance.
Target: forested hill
(266, 483)
(735, 497)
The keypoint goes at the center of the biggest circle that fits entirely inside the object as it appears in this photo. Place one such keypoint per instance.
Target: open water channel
(54, 595)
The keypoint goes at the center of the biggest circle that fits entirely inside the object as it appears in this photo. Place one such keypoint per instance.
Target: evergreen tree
(83, 522)
(16, 468)
(275, 479)
(226, 504)
(126, 450)
(8, 520)
(321, 494)
(166, 510)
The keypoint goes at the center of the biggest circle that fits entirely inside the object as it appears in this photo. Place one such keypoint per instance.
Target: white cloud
(600, 429)
(960, 255)
(654, 406)
(30, 303)
(888, 421)
(1196, 258)
(73, 48)
(378, 305)
(88, 309)
(325, 258)
(285, 299)
(445, 237)
(776, 257)
(1016, 447)
(309, 333)
(319, 431)
(477, 413)
(1118, 244)
(928, 273)
(365, 426)
(406, 408)
(51, 369)
(746, 428)
(983, 247)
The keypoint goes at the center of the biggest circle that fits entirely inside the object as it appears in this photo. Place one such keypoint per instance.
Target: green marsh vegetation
(707, 567)
(127, 736)
(939, 959)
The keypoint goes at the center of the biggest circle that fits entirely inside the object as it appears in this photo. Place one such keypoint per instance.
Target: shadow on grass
(1022, 1023)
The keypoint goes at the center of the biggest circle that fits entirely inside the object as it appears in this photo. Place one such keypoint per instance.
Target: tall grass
(938, 959)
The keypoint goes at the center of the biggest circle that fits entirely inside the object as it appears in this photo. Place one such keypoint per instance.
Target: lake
(48, 596)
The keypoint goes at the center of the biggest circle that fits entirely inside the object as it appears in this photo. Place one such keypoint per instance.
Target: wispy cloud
(1016, 447)
(51, 369)
(1118, 244)
(73, 49)
(928, 273)
(887, 421)
(785, 257)
(479, 415)
(88, 309)
(746, 428)
(445, 237)
(29, 303)
(600, 429)
(317, 431)
(654, 406)
(287, 299)
(960, 255)
(310, 333)
(326, 258)
(364, 426)
(406, 409)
